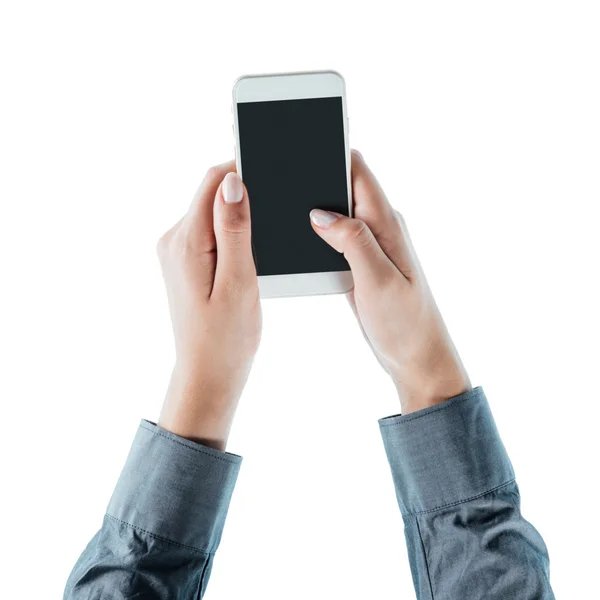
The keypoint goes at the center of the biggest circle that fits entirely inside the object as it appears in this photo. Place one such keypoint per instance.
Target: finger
(369, 198)
(199, 218)
(166, 237)
(235, 264)
(372, 206)
(354, 239)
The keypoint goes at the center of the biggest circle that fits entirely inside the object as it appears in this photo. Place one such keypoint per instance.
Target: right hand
(391, 298)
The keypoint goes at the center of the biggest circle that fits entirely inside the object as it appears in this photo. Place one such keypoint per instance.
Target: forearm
(460, 503)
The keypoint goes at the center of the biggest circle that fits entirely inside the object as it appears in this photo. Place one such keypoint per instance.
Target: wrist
(422, 386)
(199, 406)
(429, 393)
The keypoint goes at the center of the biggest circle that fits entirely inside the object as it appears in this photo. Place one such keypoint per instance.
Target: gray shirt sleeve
(454, 483)
(163, 523)
(460, 504)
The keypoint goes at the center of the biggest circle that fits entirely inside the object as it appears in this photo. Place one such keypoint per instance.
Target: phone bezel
(293, 86)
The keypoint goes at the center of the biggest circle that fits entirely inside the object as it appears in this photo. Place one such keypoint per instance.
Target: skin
(209, 273)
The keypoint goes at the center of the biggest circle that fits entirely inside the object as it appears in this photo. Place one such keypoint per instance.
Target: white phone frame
(292, 86)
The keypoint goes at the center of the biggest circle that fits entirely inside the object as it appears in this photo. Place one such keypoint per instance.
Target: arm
(164, 521)
(459, 500)
(454, 482)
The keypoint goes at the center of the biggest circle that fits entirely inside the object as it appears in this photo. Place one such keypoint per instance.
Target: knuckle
(213, 175)
(162, 245)
(357, 233)
(166, 240)
(235, 224)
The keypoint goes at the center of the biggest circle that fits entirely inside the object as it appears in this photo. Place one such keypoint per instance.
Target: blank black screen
(293, 160)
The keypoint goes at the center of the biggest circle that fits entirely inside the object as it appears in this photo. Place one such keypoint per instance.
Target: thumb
(353, 238)
(235, 264)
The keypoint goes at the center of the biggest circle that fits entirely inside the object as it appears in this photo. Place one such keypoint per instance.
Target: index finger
(199, 217)
(370, 202)
(372, 206)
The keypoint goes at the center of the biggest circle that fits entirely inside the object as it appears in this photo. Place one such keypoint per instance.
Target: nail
(233, 190)
(323, 218)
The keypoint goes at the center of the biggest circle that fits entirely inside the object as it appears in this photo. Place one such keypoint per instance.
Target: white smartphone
(292, 152)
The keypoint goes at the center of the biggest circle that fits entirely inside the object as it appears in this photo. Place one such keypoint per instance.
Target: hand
(391, 298)
(209, 272)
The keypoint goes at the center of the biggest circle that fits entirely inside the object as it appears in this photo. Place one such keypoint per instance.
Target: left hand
(210, 276)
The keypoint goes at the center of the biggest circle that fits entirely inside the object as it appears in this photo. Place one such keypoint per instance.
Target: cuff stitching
(223, 458)
(158, 537)
(490, 491)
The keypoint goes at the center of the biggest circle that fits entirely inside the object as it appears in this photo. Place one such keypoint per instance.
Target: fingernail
(233, 190)
(322, 218)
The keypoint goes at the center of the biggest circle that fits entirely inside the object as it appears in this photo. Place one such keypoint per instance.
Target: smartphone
(292, 152)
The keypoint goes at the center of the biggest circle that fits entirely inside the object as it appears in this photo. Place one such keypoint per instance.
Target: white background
(482, 122)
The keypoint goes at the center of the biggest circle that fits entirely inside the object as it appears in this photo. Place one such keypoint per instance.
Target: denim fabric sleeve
(163, 523)
(459, 500)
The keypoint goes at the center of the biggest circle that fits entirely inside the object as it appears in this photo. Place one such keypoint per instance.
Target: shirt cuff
(175, 489)
(445, 454)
